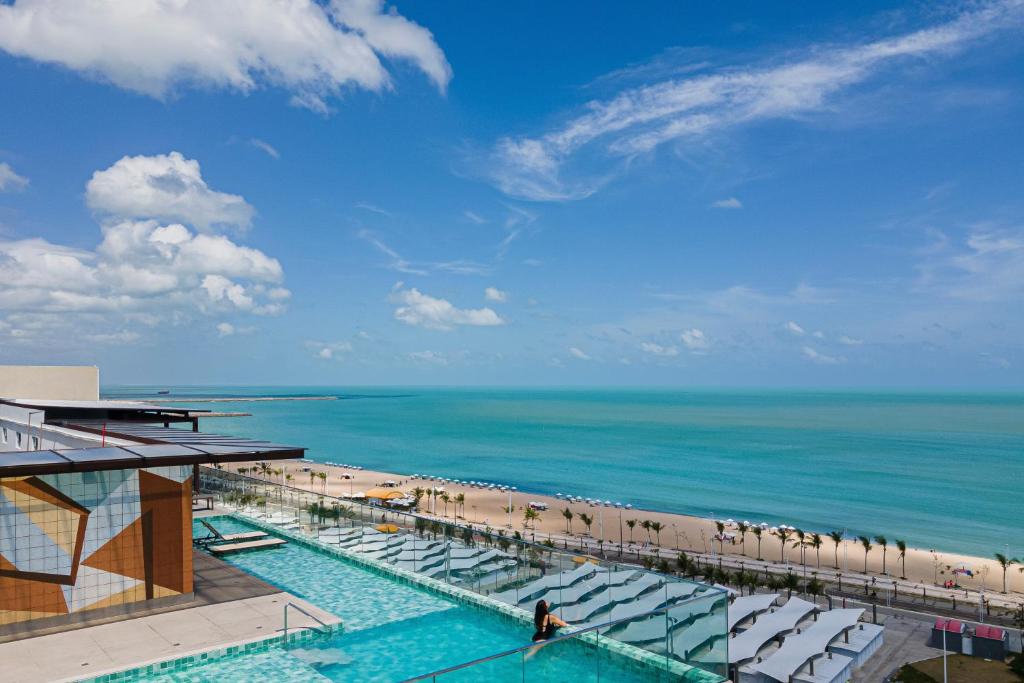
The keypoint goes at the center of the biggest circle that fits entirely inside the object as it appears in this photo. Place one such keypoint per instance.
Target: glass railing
(649, 614)
(592, 654)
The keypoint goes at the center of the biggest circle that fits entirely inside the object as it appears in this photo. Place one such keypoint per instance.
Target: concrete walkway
(116, 646)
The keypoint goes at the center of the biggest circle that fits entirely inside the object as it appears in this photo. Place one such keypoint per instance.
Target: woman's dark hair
(539, 613)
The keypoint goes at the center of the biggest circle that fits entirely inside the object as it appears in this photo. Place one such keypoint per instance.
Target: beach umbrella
(386, 528)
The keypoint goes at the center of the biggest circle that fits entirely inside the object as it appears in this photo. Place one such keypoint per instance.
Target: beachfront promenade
(485, 508)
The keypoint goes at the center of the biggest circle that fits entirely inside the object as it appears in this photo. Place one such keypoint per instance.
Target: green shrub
(908, 674)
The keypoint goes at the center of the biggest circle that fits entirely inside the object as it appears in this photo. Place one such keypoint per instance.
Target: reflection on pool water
(391, 631)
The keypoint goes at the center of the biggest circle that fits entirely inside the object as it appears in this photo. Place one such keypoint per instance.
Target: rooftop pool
(393, 631)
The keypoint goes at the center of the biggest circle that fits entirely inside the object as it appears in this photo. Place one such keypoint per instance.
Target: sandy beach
(923, 567)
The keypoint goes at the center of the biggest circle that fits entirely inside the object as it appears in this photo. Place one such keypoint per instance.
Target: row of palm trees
(805, 541)
(588, 520)
(459, 499)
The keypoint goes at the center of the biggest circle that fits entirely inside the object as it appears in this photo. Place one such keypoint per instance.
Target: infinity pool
(391, 631)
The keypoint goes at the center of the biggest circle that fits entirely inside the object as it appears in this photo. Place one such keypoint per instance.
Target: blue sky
(536, 193)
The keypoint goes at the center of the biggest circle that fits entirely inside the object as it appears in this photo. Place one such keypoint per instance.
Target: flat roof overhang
(156, 447)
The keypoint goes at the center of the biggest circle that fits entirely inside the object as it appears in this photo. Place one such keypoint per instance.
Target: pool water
(391, 631)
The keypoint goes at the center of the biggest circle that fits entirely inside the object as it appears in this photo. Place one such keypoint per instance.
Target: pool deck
(231, 608)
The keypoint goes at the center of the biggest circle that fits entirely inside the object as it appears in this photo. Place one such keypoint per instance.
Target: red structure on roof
(990, 632)
(950, 625)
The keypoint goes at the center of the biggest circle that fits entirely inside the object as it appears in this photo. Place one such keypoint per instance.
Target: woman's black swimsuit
(547, 633)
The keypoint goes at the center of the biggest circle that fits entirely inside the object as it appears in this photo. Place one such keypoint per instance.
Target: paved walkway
(115, 646)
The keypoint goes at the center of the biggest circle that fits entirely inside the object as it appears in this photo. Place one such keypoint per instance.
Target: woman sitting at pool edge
(545, 622)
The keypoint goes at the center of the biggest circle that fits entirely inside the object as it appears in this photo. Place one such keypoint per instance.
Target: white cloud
(730, 203)
(142, 271)
(329, 350)
(429, 357)
(311, 49)
(987, 267)
(695, 340)
(794, 328)
(578, 353)
(226, 329)
(693, 107)
(423, 310)
(495, 294)
(11, 181)
(474, 217)
(659, 350)
(165, 187)
(122, 337)
(821, 358)
(265, 147)
(850, 341)
(818, 334)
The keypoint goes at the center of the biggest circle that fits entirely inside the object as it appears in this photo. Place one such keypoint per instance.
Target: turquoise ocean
(939, 470)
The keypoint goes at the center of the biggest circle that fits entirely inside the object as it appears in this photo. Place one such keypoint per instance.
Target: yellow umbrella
(386, 528)
(384, 494)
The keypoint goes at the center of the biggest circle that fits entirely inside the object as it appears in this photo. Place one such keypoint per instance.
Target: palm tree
(646, 525)
(902, 547)
(568, 514)
(631, 523)
(884, 542)
(757, 531)
(783, 534)
(866, 542)
(720, 527)
(312, 479)
(656, 527)
(791, 583)
(837, 538)
(586, 519)
(1005, 563)
(816, 543)
(445, 498)
(417, 493)
(799, 543)
(743, 528)
(529, 515)
(460, 500)
(323, 480)
(288, 479)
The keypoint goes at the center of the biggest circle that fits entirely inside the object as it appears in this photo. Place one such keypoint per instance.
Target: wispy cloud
(794, 328)
(695, 340)
(820, 358)
(473, 217)
(329, 350)
(695, 107)
(578, 353)
(366, 206)
(730, 203)
(265, 147)
(11, 181)
(659, 350)
(428, 357)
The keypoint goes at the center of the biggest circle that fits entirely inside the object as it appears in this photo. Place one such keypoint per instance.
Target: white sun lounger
(798, 649)
(748, 605)
(665, 595)
(544, 583)
(574, 614)
(746, 645)
(570, 595)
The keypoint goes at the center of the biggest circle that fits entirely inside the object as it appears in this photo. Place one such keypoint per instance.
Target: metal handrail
(565, 636)
(326, 627)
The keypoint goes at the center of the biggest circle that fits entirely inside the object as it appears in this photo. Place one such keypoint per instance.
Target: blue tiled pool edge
(185, 662)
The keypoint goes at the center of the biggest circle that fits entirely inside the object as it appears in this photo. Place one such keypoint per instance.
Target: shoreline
(924, 568)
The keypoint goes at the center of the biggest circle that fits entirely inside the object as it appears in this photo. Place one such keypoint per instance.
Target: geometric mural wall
(86, 540)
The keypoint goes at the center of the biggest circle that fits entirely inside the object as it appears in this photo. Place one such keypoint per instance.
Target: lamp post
(28, 435)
